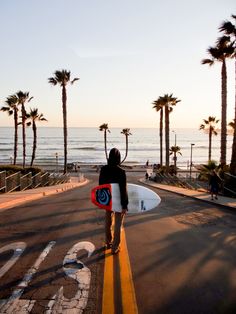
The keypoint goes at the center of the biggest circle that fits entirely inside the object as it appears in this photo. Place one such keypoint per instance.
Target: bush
(11, 169)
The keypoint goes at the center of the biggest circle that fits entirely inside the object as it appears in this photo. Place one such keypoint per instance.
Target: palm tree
(232, 124)
(223, 50)
(12, 109)
(230, 29)
(22, 98)
(104, 127)
(158, 105)
(127, 133)
(209, 126)
(63, 78)
(34, 116)
(175, 150)
(168, 102)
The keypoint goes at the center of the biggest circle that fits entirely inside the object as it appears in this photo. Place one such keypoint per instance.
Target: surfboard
(141, 199)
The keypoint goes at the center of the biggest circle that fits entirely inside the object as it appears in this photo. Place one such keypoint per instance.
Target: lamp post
(56, 154)
(175, 137)
(191, 160)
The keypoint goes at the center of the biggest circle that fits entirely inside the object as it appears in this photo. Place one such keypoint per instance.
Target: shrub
(11, 169)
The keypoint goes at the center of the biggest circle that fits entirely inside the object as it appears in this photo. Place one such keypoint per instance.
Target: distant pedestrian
(113, 173)
(214, 184)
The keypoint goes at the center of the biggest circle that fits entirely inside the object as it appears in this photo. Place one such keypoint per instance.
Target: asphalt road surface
(182, 255)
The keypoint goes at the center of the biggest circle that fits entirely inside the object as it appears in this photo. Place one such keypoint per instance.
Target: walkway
(8, 200)
(200, 195)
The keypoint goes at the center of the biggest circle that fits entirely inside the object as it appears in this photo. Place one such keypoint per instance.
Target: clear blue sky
(127, 53)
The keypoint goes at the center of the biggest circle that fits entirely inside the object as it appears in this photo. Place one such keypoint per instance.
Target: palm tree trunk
(105, 143)
(167, 132)
(223, 114)
(15, 136)
(64, 98)
(126, 148)
(233, 156)
(210, 144)
(161, 137)
(23, 133)
(34, 143)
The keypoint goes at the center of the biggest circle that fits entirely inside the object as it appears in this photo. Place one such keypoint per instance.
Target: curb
(39, 194)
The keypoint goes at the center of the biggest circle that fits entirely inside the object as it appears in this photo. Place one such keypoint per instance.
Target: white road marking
(76, 305)
(18, 248)
(14, 304)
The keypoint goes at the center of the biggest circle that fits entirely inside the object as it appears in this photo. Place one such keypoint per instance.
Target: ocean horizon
(86, 145)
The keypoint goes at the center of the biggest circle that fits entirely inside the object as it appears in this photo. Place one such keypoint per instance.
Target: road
(182, 255)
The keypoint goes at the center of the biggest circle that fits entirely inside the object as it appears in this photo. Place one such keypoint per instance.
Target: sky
(126, 53)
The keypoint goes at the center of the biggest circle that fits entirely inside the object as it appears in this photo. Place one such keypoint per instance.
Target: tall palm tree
(63, 78)
(12, 109)
(158, 105)
(168, 102)
(22, 98)
(209, 126)
(230, 29)
(126, 133)
(34, 116)
(219, 53)
(104, 127)
(175, 150)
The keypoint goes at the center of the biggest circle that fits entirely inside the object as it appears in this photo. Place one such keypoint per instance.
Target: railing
(2, 181)
(179, 181)
(229, 185)
(36, 180)
(13, 182)
(26, 181)
(18, 182)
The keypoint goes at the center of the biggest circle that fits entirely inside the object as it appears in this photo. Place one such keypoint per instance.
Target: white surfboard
(141, 199)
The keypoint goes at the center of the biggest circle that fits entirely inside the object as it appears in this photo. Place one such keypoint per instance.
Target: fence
(18, 182)
(228, 182)
(229, 185)
(180, 181)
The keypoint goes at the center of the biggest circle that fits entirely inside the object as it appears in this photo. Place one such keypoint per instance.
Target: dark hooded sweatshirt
(112, 173)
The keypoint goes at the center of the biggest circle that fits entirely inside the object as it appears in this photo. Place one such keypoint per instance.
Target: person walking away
(113, 173)
(214, 183)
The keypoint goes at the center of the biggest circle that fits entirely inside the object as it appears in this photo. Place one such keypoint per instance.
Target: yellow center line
(108, 304)
(129, 304)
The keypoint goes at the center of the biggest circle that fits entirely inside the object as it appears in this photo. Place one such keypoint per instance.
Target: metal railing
(17, 181)
(13, 182)
(26, 181)
(229, 185)
(180, 181)
(2, 181)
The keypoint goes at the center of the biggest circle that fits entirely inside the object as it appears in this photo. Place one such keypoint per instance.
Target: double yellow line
(124, 287)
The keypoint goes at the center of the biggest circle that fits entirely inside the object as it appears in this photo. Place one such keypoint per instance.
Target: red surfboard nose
(101, 196)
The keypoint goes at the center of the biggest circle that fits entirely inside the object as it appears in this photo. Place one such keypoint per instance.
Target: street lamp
(191, 160)
(175, 137)
(56, 154)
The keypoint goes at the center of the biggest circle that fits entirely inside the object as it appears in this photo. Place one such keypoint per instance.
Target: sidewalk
(8, 200)
(223, 201)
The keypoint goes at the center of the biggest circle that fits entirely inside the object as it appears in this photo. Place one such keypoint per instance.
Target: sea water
(86, 145)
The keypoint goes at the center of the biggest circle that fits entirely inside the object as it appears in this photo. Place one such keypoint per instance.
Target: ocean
(86, 145)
